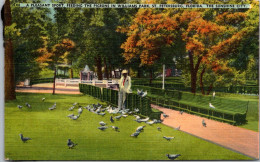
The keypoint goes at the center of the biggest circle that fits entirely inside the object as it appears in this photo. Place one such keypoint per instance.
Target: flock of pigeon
(97, 109)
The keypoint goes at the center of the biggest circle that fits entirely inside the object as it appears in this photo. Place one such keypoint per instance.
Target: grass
(50, 130)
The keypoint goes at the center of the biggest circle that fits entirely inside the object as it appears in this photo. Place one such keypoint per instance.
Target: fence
(111, 96)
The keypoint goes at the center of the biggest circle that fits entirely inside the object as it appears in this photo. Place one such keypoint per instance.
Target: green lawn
(50, 130)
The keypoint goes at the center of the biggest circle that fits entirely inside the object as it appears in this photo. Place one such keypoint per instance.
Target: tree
(9, 61)
(206, 34)
(56, 55)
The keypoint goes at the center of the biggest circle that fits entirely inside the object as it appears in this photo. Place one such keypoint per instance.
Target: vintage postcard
(131, 80)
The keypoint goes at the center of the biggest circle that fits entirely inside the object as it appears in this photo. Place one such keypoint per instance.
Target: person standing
(124, 88)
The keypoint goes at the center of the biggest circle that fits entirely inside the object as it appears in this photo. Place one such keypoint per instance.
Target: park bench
(230, 111)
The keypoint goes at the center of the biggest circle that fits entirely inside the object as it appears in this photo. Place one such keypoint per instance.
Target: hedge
(248, 89)
(111, 96)
(227, 110)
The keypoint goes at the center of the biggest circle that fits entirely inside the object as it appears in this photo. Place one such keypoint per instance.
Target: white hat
(124, 71)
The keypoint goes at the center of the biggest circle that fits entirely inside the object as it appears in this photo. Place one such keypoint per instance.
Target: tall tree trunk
(201, 81)
(9, 60)
(139, 73)
(110, 71)
(54, 80)
(106, 69)
(99, 67)
(193, 71)
(71, 73)
(151, 76)
(210, 88)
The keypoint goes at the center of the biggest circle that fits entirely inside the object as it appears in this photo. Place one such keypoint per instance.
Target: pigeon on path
(165, 115)
(178, 128)
(24, 139)
(70, 144)
(173, 156)
(204, 123)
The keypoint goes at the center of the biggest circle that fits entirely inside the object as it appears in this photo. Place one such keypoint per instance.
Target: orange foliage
(231, 18)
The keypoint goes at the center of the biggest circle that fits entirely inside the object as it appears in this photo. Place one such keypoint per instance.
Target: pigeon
(150, 122)
(102, 128)
(178, 128)
(173, 156)
(181, 112)
(115, 128)
(53, 107)
(140, 128)
(71, 108)
(136, 110)
(43, 99)
(75, 104)
(111, 119)
(99, 105)
(142, 120)
(124, 116)
(118, 117)
(80, 110)
(141, 93)
(168, 138)
(71, 115)
(102, 114)
(157, 121)
(144, 94)
(28, 105)
(211, 106)
(165, 116)
(24, 139)
(70, 144)
(159, 129)
(204, 123)
(19, 106)
(102, 123)
(137, 117)
(75, 117)
(135, 134)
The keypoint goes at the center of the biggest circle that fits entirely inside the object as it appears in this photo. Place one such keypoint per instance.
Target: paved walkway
(235, 138)
(47, 88)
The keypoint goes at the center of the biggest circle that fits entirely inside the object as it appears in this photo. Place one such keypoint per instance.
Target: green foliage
(11, 32)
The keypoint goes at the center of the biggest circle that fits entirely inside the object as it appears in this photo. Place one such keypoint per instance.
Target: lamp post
(163, 76)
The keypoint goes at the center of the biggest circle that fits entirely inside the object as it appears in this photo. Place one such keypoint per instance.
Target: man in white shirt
(124, 88)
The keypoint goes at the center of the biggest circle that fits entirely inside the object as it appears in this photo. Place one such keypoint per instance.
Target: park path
(47, 88)
(235, 138)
